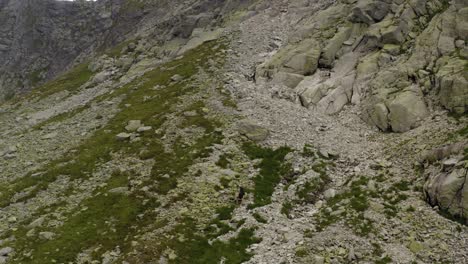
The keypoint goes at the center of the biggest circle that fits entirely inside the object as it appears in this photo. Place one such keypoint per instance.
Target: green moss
(301, 252)
(272, 168)
(357, 203)
(103, 223)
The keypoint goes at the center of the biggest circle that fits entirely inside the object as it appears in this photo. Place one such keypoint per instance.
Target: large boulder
(452, 83)
(379, 116)
(462, 23)
(369, 11)
(406, 111)
(295, 60)
(446, 186)
(252, 131)
(334, 45)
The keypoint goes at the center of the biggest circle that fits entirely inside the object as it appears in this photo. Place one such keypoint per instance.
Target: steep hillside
(207, 131)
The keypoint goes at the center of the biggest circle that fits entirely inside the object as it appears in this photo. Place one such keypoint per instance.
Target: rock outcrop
(446, 184)
(403, 58)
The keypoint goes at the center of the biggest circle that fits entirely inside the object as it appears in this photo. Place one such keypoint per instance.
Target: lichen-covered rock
(448, 189)
(462, 23)
(301, 59)
(452, 83)
(329, 52)
(379, 116)
(252, 131)
(406, 111)
(369, 11)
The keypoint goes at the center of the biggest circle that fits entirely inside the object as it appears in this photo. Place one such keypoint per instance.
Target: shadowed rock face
(38, 39)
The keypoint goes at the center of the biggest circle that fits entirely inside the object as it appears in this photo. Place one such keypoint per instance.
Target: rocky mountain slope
(237, 131)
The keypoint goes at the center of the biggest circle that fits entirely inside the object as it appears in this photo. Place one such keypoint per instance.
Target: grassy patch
(61, 117)
(272, 168)
(356, 202)
(98, 148)
(104, 222)
(111, 219)
(70, 81)
(223, 161)
(259, 218)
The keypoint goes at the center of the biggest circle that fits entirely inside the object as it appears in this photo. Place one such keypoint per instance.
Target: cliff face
(39, 39)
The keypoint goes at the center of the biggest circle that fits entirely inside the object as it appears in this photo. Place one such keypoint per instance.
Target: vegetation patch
(70, 81)
(272, 167)
(110, 219)
(349, 206)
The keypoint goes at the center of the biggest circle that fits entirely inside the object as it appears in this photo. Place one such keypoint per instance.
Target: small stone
(318, 260)
(252, 131)
(119, 190)
(330, 193)
(371, 186)
(46, 235)
(123, 136)
(351, 255)
(50, 135)
(10, 156)
(144, 129)
(10, 150)
(176, 78)
(133, 125)
(459, 43)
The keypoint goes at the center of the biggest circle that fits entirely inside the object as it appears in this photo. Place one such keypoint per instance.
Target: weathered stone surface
(448, 190)
(369, 11)
(452, 84)
(123, 136)
(314, 94)
(393, 35)
(330, 51)
(446, 45)
(133, 125)
(379, 116)
(406, 111)
(301, 59)
(252, 131)
(462, 23)
(289, 79)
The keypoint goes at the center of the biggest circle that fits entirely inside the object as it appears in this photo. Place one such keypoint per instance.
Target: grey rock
(133, 125)
(46, 235)
(50, 135)
(177, 78)
(144, 129)
(123, 136)
(446, 45)
(407, 110)
(253, 131)
(6, 251)
(369, 11)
